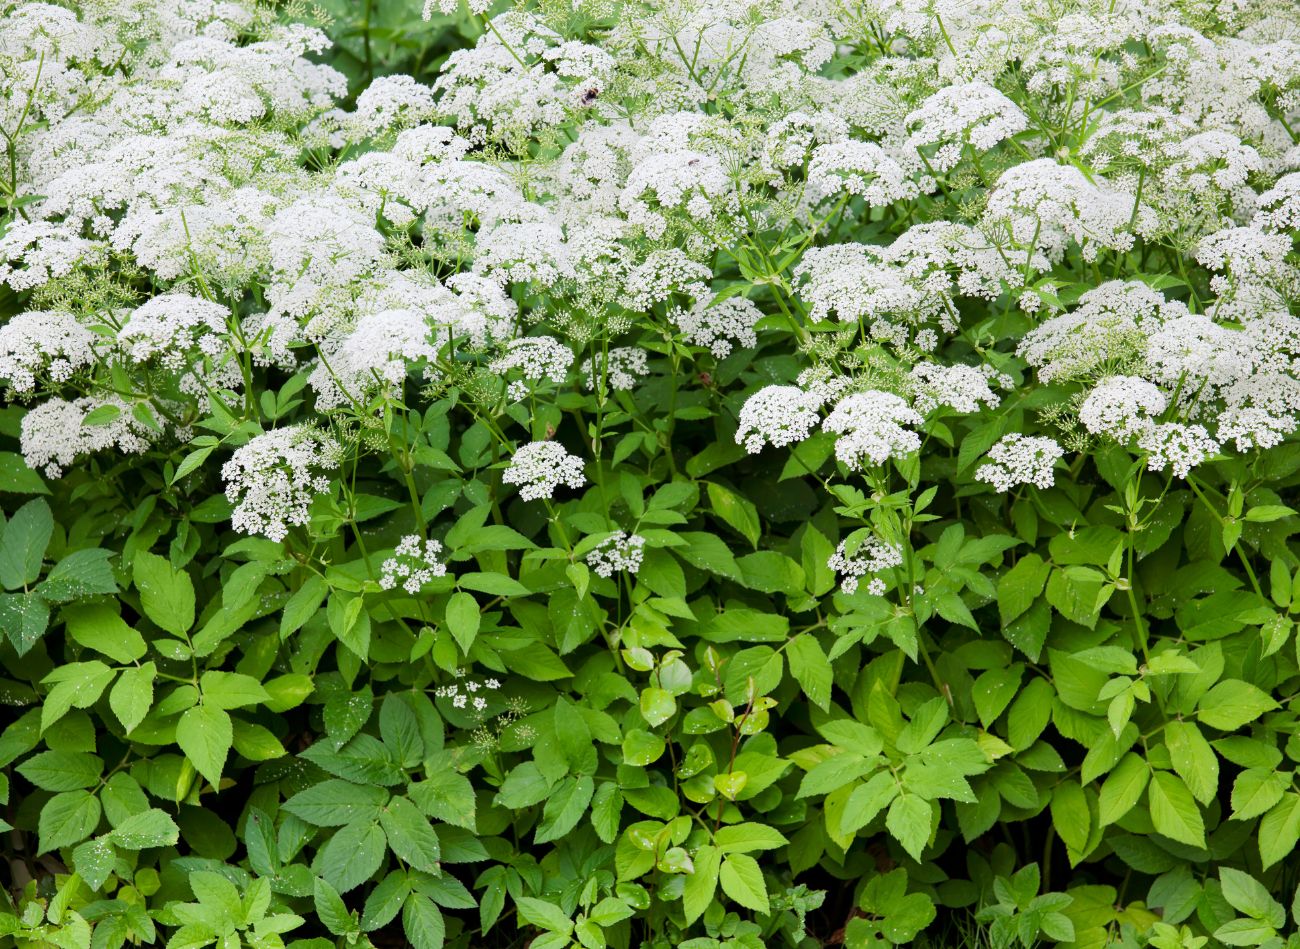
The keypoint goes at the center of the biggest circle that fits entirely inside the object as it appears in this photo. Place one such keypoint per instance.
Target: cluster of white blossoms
(619, 369)
(273, 479)
(621, 552)
(1020, 459)
(43, 346)
(538, 468)
(718, 324)
(777, 415)
(872, 428)
(872, 556)
(413, 564)
(536, 359)
(922, 202)
(468, 692)
(970, 114)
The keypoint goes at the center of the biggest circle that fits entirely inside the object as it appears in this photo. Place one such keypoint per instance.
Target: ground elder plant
(658, 474)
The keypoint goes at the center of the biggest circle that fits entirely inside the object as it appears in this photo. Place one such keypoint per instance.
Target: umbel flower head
(538, 468)
(273, 479)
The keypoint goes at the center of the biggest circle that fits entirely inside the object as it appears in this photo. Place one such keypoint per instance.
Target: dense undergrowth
(650, 474)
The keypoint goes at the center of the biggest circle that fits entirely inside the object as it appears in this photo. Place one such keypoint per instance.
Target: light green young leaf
(132, 695)
(701, 883)
(205, 734)
(151, 828)
(811, 669)
(742, 880)
(1174, 811)
(166, 595)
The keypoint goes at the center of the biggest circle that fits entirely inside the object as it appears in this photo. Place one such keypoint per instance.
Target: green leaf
(76, 685)
(62, 770)
(303, 605)
(742, 880)
(384, 902)
(868, 800)
(564, 808)
(423, 923)
(743, 838)
(94, 861)
(166, 595)
(81, 573)
(543, 914)
(1078, 593)
(447, 796)
(1173, 810)
(993, 692)
(701, 883)
(228, 690)
(1020, 586)
(908, 821)
(410, 835)
(205, 734)
(352, 855)
(151, 828)
(132, 695)
(1123, 788)
(708, 552)
(735, 511)
(1256, 790)
(23, 543)
(811, 669)
(1247, 895)
(463, 619)
(98, 626)
(67, 819)
(1072, 818)
(1246, 932)
(23, 618)
(1233, 703)
(1193, 759)
(333, 803)
(1279, 831)
(494, 584)
(331, 910)
(657, 706)
(17, 478)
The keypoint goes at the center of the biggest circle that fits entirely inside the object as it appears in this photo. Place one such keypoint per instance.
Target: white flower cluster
(373, 358)
(891, 180)
(618, 369)
(414, 563)
(1020, 459)
(541, 467)
(872, 556)
(44, 346)
(859, 168)
(273, 479)
(965, 114)
(871, 428)
(962, 388)
(536, 358)
(776, 415)
(621, 552)
(468, 693)
(719, 323)
(1045, 206)
(57, 432)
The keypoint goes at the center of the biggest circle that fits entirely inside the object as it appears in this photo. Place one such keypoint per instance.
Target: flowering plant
(717, 474)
